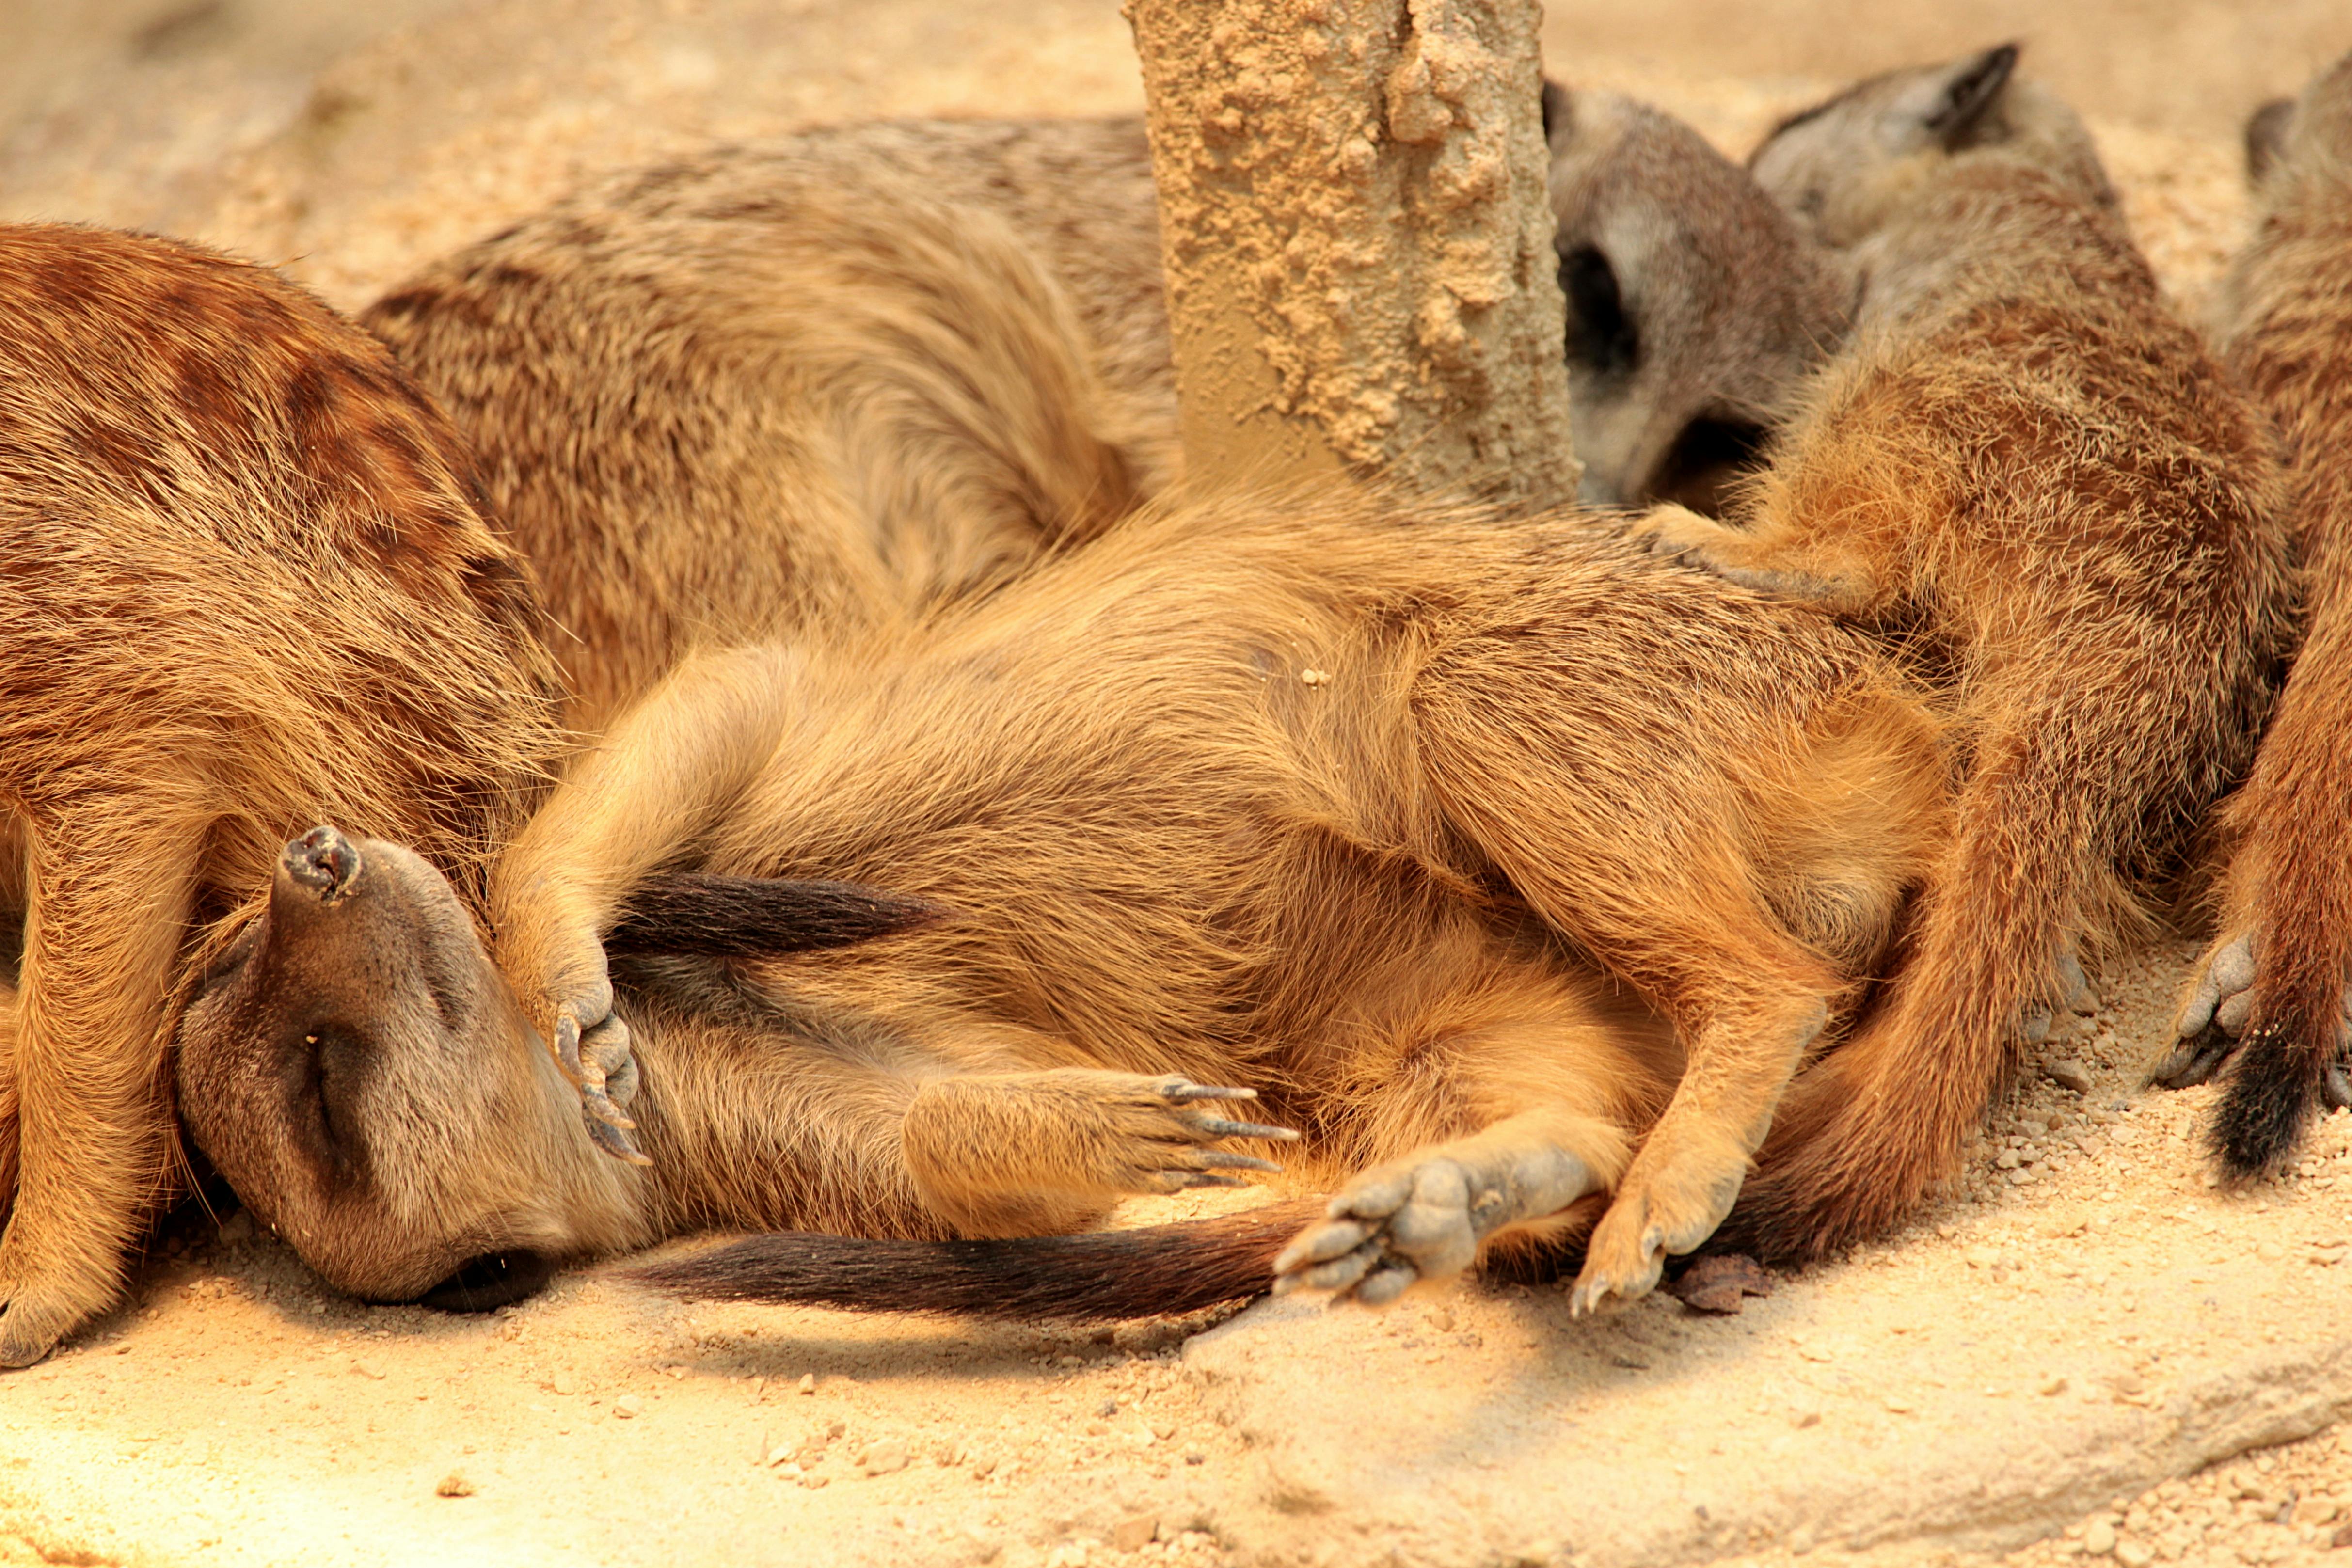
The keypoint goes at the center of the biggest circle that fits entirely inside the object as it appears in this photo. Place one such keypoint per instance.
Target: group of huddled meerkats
(969, 803)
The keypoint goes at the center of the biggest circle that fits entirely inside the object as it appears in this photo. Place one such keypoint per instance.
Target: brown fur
(1329, 801)
(2274, 978)
(845, 374)
(2025, 469)
(1694, 306)
(246, 585)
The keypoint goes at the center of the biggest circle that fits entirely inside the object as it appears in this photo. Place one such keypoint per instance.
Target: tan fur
(246, 585)
(1325, 799)
(2274, 978)
(2028, 472)
(1695, 307)
(845, 374)
(880, 367)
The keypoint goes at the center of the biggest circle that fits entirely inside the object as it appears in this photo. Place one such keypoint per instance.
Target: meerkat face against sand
(353, 1051)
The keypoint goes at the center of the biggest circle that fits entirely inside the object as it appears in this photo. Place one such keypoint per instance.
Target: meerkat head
(2308, 135)
(1845, 167)
(1693, 305)
(357, 1069)
(367, 1081)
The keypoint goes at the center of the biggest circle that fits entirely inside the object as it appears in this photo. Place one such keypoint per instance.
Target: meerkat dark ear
(1559, 113)
(2266, 137)
(694, 915)
(1964, 92)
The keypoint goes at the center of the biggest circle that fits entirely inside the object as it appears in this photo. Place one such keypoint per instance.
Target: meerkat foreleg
(1754, 560)
(663, 776)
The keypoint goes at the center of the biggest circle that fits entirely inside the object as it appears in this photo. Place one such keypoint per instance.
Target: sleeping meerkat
(2028, 471)
(2271, 989)
(1332, 803)
(248, 586)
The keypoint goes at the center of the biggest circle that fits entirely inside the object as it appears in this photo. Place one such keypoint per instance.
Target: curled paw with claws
(997, 1152)
(592, 1046)
(1422, 1219)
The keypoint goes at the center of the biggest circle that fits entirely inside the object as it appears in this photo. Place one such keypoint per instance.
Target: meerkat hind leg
(1423, 1216)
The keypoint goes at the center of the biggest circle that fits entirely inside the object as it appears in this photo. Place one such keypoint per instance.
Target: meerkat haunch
(1695, 307)
(849, 374)
(248, 586)
(2271, 990)
(1331, 801)
(2025, 469)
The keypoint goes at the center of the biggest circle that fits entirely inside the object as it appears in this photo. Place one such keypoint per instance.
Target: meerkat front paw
(1421, 1218)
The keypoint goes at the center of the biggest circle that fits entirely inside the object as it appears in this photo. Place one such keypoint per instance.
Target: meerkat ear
(2266, 137)
(1949, 105)
(1559, 113)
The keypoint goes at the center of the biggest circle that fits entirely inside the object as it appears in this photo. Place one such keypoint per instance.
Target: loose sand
(2089, 1345)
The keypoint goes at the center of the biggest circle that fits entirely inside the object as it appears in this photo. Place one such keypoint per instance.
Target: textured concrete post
(1358, 240)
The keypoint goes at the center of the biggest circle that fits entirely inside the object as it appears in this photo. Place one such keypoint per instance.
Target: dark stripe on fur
(699, 916)
(1099, 1276)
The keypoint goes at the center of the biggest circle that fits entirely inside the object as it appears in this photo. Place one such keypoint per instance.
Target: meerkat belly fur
(1353, 805)
(2028, 471)
(247, 587)
(2272, 984)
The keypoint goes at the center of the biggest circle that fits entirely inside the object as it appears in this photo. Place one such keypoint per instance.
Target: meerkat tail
(1867, 1133)
(1096, 1276)
(699, 915)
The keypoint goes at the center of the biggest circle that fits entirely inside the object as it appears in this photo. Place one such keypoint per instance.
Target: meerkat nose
(324, 861)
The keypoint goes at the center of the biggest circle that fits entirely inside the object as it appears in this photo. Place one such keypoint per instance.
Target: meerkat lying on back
(1330, 801)
(2272, 984)
(247, 587)
(2024, 467)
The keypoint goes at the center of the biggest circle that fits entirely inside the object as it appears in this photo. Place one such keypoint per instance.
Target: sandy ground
(2088, 1351)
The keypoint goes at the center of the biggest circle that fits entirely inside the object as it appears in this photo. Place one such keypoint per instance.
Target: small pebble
(1133, 1534)
(886, 1457)
(368, 1369)
(453, 1484)
(628, 1407)
(808, 1383)
(2053, 1386)
(563, 1383)
(2099, 1538)
(2132, 1554)
(2070, 1074)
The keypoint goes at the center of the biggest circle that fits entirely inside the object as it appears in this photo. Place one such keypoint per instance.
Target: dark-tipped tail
(696, 914)
(2289, 1067)
(1099, 1276)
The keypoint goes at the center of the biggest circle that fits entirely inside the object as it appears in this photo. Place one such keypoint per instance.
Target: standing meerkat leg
(111, 885)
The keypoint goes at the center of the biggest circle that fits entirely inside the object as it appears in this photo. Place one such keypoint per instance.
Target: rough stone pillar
(1358, 238)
